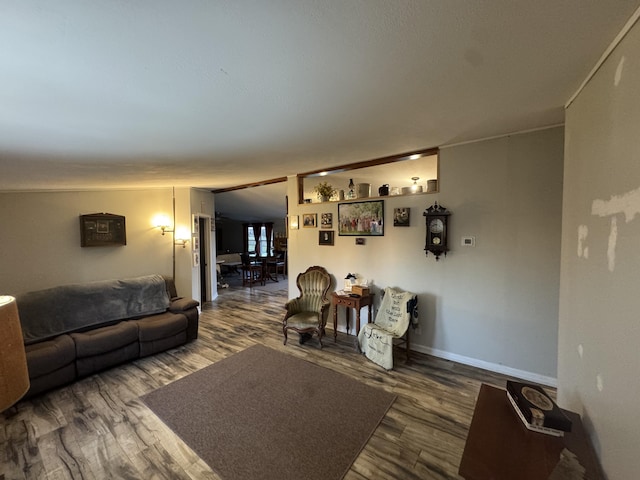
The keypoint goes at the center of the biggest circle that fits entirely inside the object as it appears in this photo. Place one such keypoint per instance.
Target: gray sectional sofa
(73, 331)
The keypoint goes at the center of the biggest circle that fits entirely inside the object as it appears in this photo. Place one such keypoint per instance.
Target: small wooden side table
(499, 446)
(349, 302)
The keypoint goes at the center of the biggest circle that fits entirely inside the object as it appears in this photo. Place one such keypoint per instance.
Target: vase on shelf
(364, 190)
(351, 193)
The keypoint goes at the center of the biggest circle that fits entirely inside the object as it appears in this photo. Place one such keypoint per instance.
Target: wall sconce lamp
(162, 222)
(164, 229)
(181, 242)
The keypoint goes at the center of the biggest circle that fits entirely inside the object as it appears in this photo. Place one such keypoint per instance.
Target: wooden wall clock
(437, 217)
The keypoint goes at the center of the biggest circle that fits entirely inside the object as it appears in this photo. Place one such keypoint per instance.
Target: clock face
(435, 240)
(436, 226)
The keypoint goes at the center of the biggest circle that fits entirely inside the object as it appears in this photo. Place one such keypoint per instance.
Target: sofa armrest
(180, 304)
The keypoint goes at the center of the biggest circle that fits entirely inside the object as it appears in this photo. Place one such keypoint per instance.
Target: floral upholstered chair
(307, 314)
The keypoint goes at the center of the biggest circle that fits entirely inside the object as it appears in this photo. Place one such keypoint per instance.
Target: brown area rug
(262, 414)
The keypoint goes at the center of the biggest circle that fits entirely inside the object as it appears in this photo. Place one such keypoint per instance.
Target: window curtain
(268, 228)
(257, 227)
(245, 237)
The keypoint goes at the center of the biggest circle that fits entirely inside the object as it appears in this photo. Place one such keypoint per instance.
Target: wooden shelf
(364, 199)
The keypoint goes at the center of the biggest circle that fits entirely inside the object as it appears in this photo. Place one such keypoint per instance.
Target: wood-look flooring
(97, 428)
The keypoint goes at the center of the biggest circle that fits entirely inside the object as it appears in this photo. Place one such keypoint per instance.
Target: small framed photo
(195, 224)
(326, 220)
(196, 244)
(401, 217)
(325, 237)
(309, 220)
(293, 222)
(196, 259)
(360, 241)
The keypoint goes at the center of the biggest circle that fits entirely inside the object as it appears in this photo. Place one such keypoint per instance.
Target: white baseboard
(474, 362)
(492, 367)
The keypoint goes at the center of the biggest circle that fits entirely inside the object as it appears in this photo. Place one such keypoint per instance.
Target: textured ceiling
(112, 94)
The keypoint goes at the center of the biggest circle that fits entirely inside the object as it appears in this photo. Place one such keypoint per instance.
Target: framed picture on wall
(361, 218)
(309, 220)
(102, 229)
(195, 224)
(326, 220)
(325, 237)
(401, 217)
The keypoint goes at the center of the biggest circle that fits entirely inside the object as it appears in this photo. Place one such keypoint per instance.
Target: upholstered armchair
(307, 314)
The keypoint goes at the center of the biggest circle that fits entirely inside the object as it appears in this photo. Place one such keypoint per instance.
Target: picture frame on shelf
(361, 218)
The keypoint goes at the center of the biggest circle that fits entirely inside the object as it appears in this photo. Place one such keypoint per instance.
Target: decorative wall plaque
(102, 229)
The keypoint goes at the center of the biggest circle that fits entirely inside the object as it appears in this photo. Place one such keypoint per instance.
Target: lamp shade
(14, 376)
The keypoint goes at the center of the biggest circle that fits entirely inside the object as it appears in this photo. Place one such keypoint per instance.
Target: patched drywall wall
(626, 206)
(599, 331)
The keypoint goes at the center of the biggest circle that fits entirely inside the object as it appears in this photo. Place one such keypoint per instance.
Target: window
(251, 241)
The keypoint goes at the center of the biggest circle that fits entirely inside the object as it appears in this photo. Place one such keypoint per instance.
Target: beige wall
(40, 238)
(599, 356)
(494, 305)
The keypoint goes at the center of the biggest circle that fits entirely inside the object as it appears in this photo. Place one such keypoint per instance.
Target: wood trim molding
(250, 185)
(371, 163)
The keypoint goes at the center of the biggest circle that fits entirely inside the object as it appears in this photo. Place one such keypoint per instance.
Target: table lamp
(349, 280)
(14, 376)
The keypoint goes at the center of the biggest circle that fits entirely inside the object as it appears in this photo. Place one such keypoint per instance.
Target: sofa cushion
(163, 344)
(181, 304)
(105, 339)
(94, 363)
(53, 379)
(161, 326)
(49, 356)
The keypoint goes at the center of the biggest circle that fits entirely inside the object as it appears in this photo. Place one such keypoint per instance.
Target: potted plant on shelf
(324, 190)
